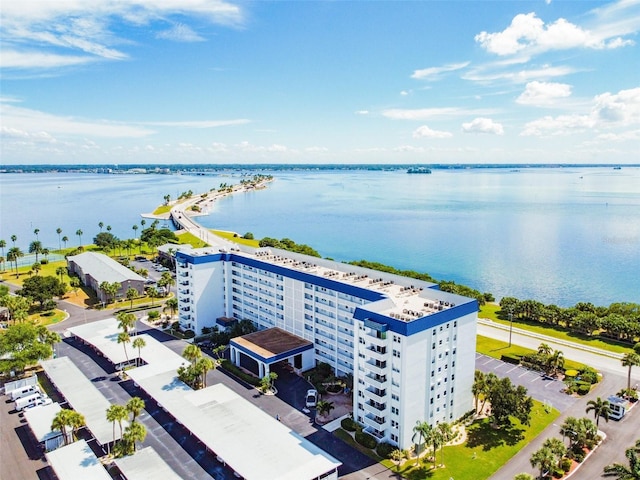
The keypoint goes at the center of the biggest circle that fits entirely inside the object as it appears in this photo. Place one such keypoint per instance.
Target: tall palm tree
(631, 359)
(79, 234)
(13, 239)
(543, 459)
(557, 447)
(131, 295)
(61, 422)
(172, 305)
(135, 405)
(600, 408)
(3, 245)
(126, 321)
(478, 387)
(421, 430)
(59, 231)
(446, 435)
(108, 228)
(117, 413)
(192, 353)
(124, 338)
(60, 271)
(167, 280)
(544, 349)
(139, 343)
(135, 229)
(100, 225)
(65, 239)
(36, 267)
(622, 472)
(35, 247)
(76, 421)
(204, 364)
(36, 232)
(13, 255)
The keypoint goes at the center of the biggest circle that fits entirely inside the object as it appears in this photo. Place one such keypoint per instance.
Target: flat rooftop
(272, 342)
(145, 464)
(75, 461)
(233, 428)
(103, 268)
(40, 419)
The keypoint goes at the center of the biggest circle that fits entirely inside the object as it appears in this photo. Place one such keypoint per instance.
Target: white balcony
(375, 410)
(375, 382)
(379, 397)
(375, 422)
(380, 369)
(373, 353)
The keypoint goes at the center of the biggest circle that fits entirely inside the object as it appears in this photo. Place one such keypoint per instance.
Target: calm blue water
(556, 235)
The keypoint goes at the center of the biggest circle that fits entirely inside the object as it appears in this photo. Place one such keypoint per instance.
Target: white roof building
(40, 419)
(145, 464)
(230, 426)
(83, 397)
(76, 461)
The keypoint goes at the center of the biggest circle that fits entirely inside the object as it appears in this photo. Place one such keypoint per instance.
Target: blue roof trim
(200, 259)
(275, 358)
(420, 324)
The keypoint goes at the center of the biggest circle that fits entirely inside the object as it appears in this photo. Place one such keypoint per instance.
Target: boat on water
(419, 170)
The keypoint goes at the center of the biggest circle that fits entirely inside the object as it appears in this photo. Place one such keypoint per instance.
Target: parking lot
(541, 387)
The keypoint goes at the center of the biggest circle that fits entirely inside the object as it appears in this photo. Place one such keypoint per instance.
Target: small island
(423, 170)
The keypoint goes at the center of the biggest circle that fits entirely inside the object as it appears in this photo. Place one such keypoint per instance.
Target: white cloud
(425, 132)
(528, 32)
(180, 33)
(621, 110)
(33, 28)
(429, 113)
(433, 73)
(404, 93)
(543, 93)
(362, 112)
(483, 125)
(199, 123)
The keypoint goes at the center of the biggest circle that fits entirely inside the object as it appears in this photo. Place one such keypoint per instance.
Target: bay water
(557, 235)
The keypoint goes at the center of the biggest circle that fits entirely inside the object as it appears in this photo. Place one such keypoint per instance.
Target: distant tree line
(289, 245)
(620, 321)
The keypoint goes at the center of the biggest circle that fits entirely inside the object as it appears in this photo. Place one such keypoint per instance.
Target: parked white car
(312, 398)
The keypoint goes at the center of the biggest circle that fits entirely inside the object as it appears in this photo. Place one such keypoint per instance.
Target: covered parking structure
(76, 461)
(145, 464)
(258, 351)
(102, 336)
(40, 420)
(251, 442)
(82, 396)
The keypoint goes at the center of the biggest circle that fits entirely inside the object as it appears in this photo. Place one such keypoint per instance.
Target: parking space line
(511, 370)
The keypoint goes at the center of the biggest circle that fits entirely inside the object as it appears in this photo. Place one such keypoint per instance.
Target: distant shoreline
(206, 169)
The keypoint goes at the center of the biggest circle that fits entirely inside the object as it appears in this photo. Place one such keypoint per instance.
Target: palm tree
(139, 343)
(167, 280)
(100, 225)
(131, 295)
(435, 439)
(556, 361)
(397, 456)
(3, 245)
(108, 228)
(74, 283)
(117, 413)
(422, 430)
(557, 448)
(36, 232)
(2, 260)
(631, 359)
(203, 365)
(79, 234)
(543, 459)
(13, 239)
(36, 267)
(45, 253)
(544, 349)
(35, 247)
(622, 472)
(135, 229)
(192, 353)
(135, 432)
(13, 255)
(446, 435)
(124, 338)
(600, 408)
(478, 387)
(76, 421)
(60, 422)
(135, 406)
(65, 239)
(143, 222)
(60, 271)
(172, 305)
(323, 408)
(152, 292)
(59, 231)
(126, 321)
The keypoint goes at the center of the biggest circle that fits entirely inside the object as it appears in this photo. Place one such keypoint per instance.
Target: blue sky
(201, 81)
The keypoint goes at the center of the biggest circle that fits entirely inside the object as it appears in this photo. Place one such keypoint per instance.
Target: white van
(38, 403)
(24, 392)
(24, 402)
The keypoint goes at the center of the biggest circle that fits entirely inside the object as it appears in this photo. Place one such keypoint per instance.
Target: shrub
(589, 375)
(366, 440)
(558, 473)
(44, 261)
(349, 424)
(231, 368)
(384, 449)
(514, 359)
(154, 315)
(189, 334)
(248, 236)
(565, 464)
(584, 389)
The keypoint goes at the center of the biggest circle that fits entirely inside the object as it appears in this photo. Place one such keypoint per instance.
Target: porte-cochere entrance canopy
(259, 350)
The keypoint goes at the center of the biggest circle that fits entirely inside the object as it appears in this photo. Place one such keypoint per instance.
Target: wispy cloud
(434, 73)
(489, 73)
(44, 34)
(180, 33)
(199, 123)
(431, 113)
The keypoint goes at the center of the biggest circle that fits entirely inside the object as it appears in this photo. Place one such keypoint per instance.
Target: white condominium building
(409, 346)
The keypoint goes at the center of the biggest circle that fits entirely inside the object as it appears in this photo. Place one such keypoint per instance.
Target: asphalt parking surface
(540, 387)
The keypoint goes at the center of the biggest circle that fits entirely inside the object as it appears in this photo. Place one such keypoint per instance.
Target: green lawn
(162, 209)
(485, 451)
(48, 318)
(190, 239)
(496, 348)
(239, 240)
(491, 311)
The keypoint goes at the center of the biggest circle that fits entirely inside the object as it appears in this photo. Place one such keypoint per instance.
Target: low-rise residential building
(409, 346)
(95, 268)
